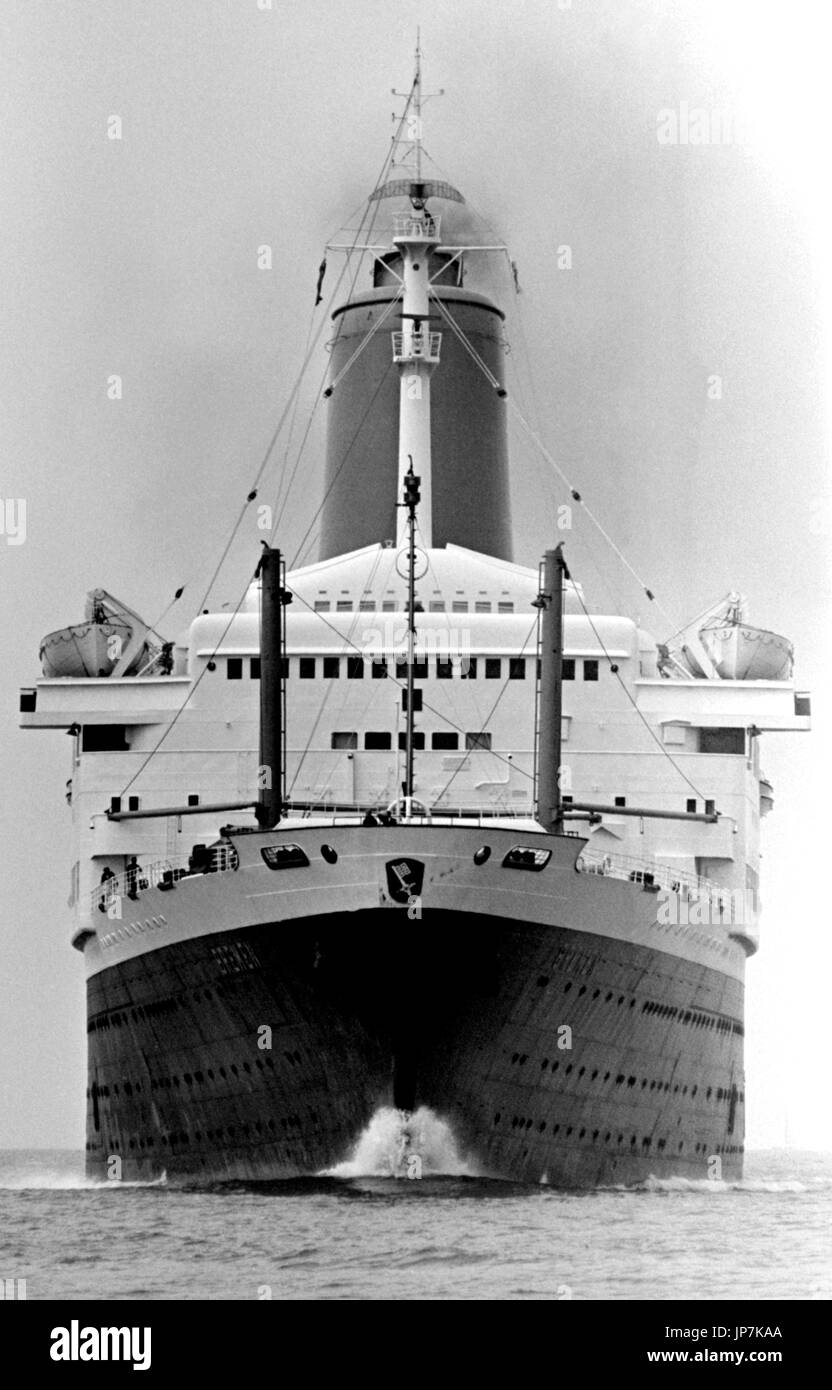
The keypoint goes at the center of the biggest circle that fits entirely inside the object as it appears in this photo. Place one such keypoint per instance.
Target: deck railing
(131, 883)
(722, 904)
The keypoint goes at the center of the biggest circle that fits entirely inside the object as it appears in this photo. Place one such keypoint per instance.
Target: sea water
(404, 1217)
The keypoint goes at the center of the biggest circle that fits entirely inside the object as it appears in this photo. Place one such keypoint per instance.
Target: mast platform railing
(413, 346)
(408, 227)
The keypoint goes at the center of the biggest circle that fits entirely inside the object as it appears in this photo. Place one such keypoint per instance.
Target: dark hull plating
(262, 1053)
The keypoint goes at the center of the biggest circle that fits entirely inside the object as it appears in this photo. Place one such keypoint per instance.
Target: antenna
(411, 117)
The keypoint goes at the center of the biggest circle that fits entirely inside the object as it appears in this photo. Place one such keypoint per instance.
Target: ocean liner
(415, 825)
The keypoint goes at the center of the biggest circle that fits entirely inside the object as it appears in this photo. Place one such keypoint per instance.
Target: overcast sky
(244, 126)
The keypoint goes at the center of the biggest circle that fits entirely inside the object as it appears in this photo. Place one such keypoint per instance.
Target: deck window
(345, 739)
(481, 740)
(722, 741)
(378, 740)
(445, 740)
(103, 738)
(418, 741)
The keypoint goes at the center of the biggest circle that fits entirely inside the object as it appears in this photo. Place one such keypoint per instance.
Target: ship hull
(555, 1054)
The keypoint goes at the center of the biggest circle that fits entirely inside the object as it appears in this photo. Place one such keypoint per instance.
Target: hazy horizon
(690, 261)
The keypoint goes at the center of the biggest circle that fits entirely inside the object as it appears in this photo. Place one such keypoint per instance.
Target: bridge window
(568, 668)
(444, 670)
(103, 738)
(366, 605)
(468, 668)
(459, 606)
(306, 668)
(690, 806)
(481, 740)
(591, 670)
(517, 668)
(417, 701)
(379, 670)
(436, 605)
(355, 668)
(505, 607)
(445, 739)
(345, 740)
(493, 668)
(482, 606)
(378, 740)
(254, 668)
(344, 605)
(322, 605)
(418, 741)
(234, 668)
(332, 668)
(420, 670)
(722, 741)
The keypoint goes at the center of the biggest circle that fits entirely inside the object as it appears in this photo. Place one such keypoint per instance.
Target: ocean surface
(368, 1231)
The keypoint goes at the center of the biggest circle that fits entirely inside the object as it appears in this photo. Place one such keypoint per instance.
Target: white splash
(397, 1144)
(31, 1177)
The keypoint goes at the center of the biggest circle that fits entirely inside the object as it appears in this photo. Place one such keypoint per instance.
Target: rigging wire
(575, 494)
(613, 665)
(486, 722)
(403, 686)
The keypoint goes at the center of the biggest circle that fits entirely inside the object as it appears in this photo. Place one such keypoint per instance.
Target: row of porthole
(158, 1008)
(722, 1025)
(722, 1094)
(699, 1020)
(520, 1122)
(198, 1077)
(212, 1135)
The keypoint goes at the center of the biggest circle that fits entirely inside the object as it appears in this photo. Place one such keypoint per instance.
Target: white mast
(415, 348)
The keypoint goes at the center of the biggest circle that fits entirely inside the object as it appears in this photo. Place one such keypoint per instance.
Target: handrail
(691, 887)
(132, 883)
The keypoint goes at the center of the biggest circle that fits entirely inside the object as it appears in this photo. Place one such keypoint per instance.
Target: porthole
(329, 853)
(482, 854)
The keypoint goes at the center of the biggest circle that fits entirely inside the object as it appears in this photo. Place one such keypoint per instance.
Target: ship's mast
(550, 603)
(273, 600)
(415, 348)
(408, 506)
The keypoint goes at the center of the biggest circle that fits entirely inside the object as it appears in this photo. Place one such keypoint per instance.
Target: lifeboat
(743, 653)
(85, 649)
